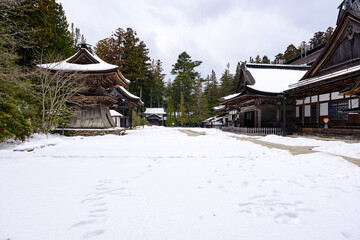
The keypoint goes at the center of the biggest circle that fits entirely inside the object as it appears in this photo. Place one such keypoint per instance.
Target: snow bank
(328, 146)
(159, 183)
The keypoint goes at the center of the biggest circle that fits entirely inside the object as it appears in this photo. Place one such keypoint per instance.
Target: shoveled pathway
(294, 150)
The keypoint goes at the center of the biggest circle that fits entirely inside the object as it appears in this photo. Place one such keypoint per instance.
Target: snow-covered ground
(160, 184)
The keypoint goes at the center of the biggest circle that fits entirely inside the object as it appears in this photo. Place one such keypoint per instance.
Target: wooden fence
(261, 131)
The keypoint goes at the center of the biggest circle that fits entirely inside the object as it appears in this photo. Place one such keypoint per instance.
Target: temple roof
(352, 5)
(275, 79)
(156, 111)
(266, 80)
(86, 61)
(340, 73)
(70, 64)
(122, 93)
(128, 94)
(219, 108)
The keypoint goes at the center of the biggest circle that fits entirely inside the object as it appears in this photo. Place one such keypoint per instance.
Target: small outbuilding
(116, 116)
(155, 116)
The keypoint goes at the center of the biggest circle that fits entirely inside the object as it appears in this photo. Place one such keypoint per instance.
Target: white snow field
(160, 184)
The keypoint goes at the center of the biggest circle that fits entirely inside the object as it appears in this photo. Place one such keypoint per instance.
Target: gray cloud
(216, 32)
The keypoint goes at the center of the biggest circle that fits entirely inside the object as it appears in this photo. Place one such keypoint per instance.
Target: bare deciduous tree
(61, 95)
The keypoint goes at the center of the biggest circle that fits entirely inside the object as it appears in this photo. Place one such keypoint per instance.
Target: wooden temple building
(330, 90)
(319, 96)
(106, 90)
(259, 99)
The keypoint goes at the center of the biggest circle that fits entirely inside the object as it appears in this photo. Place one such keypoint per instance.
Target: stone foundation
(343, 133)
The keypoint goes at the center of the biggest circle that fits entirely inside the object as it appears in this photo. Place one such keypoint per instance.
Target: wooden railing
(262, 131)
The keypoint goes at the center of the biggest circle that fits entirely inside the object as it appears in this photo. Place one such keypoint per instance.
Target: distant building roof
(156, 111)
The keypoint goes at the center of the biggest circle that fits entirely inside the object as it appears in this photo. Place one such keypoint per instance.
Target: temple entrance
(155, 120)
(249, 119)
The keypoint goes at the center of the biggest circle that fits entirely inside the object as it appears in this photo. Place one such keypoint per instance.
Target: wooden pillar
(130, 118)
(259, 118)
(278, 115)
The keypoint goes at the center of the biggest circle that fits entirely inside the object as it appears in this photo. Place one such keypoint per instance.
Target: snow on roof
(128, 93)
(65, 66)
(230, 96)
(284, 66)
(114, 113)
(157, 111)
(222, 107)
(273, 79)
(331, 75)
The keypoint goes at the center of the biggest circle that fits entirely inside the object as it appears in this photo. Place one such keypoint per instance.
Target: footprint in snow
(288, 217)
(98, 210)
(98, 204)
(81, 223)
(91, 199)
(93, 234)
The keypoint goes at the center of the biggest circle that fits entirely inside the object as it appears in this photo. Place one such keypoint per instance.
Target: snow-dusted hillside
(159, 183)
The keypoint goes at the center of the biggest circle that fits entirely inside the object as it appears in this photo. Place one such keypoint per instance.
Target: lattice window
(335, 109)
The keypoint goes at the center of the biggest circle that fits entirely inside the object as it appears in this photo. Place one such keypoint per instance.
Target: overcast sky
(216, 32)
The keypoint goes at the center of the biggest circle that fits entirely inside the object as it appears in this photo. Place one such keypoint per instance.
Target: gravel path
(293, 150)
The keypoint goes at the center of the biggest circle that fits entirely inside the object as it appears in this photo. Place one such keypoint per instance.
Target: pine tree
(258, 59)
(291, 52)
(317, 39)
(265, 60)
(328, 33)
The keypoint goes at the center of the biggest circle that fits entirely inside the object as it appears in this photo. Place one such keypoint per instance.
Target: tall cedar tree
(27, 29)
(184, 82)
(212, 92)
(236, 77)
(170, 110)
(157, 88)
(226, 81)
(45, 29)
(124, 48)
(318, 39)
(200, 108)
